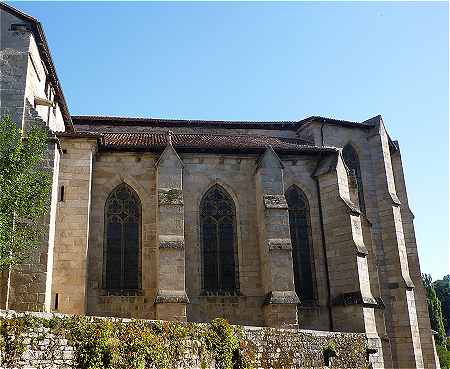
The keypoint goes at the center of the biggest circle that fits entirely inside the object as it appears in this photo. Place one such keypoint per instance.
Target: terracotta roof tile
(197, 142)
(204, 142)
(125, 133)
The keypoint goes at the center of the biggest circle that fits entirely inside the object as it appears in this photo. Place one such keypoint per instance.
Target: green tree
(24, 190)
(434, 309)
(437, 322)
(442, 287)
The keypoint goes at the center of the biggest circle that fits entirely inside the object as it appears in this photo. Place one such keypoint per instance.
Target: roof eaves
(78, 135)
(189, 149)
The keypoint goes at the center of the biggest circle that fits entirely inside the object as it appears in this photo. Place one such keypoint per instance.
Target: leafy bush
(113, 344)
(444, 356)
(24, 190)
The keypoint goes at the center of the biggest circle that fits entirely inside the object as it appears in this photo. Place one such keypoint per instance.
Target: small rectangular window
(19, 27)
(56, 301)
(61, 193)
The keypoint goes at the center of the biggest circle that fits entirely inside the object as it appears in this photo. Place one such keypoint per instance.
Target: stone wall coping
(50, 315)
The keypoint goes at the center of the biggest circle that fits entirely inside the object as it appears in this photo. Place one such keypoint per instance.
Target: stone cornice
(282, 297)
(356, 298)
(170, 196)
(275, 201)
(171, 242)
(274, 244)
(171, 297)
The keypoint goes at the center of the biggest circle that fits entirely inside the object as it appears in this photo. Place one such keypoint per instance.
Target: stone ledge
(356, 298)
(171, 242)
(407, 283)
(361, 249)
(351, 207)
(171, 297)
(279, 244)
(275, 202)
(395, 199)
(170, 196)
(282, 297)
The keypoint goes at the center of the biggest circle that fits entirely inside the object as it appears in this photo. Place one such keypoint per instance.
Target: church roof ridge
(271, 124)
(342, 122)
(121, 120)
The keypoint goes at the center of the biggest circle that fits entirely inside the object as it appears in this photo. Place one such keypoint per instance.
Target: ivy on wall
(36, 339)
(112, 344)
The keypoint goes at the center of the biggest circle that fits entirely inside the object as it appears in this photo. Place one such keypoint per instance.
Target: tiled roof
(203, 142)
(345, 123)
(125, 133)
(79, 134)
(199, 142)
(91, 121)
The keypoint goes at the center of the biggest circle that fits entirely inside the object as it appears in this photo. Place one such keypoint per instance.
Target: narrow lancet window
(122, 230)
(300, 227)
(351, 160)
(218, 238)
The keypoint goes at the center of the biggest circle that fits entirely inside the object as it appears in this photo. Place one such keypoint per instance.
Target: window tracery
(219, 249)
(122, 231)
(300, 228)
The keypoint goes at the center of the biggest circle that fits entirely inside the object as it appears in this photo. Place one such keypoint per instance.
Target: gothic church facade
(297, 224)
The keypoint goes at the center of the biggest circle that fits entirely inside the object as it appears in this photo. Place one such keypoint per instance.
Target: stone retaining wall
(267, 348)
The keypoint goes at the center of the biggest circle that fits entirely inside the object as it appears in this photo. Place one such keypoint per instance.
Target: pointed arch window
(122, 239)
(352, 161)
(300, 227)
(218, 238)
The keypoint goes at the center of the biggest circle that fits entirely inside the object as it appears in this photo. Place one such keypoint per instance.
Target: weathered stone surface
(275, 202)
(282, 297)
(172, 297)
(360, 257)
(171, 242)
(265, 348)
(355, 298)
(170, 196)
(279, 244)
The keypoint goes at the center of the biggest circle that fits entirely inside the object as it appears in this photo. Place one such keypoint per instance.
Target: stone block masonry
(72, 228)
(262, 348)
(359, 264)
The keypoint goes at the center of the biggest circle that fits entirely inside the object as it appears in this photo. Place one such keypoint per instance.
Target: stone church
(297, 224)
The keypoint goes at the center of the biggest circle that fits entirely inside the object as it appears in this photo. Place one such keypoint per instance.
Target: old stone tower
(301, 224)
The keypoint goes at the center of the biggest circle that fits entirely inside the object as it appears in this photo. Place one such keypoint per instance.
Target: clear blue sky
(271, 61)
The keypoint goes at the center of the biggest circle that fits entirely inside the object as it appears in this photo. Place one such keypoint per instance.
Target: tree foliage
(24, 190)
(437, 321)
(442, 287)
(434, 309)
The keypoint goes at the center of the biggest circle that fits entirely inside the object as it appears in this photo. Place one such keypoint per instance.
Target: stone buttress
(397, 285)
(280, 309)
(426, 339)
(69, 282)
(346, 254)
(171, 298)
